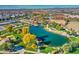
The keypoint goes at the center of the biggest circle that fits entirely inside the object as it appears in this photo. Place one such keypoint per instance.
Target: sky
(36, 6)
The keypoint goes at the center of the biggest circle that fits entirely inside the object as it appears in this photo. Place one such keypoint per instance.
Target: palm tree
(67, 48)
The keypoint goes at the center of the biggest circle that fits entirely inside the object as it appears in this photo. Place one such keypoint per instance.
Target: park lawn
(74, 39)
(18, 36)
(21, 44)
(28, 52)
(2, 32)
(75, 52)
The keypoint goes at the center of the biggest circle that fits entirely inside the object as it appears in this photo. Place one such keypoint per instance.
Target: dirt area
(74, 25)
(59, 21)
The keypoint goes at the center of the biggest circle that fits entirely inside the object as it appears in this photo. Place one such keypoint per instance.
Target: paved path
(19, 52)
(3, 41)
(6, 22)
(1, 28)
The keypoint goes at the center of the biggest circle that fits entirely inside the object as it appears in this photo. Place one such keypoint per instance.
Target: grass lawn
(75, 52)
(74, 39)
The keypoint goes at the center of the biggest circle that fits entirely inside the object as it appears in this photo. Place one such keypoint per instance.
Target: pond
(55, 39)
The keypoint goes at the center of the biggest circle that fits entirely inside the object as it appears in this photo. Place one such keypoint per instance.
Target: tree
(33, 46)
(28, 38)
(67, 48)
(74, 44)
(54, 24)
(6, 46)
(25, 30)
(0, 38)
(9, 28)
(78, 40)
(29, 41)
(67, 21)
(58, 27)
(17, 31)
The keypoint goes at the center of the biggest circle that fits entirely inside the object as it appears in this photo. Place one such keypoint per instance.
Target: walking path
(57, 32)
(19, 52)
(3, 41)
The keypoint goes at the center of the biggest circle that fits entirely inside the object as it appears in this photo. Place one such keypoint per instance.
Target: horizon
(36, 6)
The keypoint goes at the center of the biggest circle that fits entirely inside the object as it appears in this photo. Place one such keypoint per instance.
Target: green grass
(75, 52)
(21, 44)
(2, 32)
(74, 38)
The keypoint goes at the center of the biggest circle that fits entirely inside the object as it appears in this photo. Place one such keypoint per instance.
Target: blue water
(56, 40)
(36, 6)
